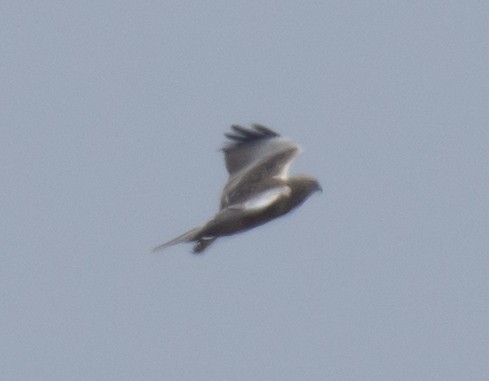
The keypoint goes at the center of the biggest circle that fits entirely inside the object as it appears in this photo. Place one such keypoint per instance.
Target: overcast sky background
(112, 115)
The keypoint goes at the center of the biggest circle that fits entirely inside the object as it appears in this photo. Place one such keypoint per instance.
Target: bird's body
(258, 189)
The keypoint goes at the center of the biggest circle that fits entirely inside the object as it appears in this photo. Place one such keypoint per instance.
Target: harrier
(258, 189)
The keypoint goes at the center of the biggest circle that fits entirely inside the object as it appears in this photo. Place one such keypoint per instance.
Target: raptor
(259, 188)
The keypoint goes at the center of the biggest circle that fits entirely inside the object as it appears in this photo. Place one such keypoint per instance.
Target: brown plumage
(258, 189)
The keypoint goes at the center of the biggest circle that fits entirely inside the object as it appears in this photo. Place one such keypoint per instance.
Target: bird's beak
(320, 188)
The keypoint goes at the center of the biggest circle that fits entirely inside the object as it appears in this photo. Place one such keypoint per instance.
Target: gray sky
(112, 117)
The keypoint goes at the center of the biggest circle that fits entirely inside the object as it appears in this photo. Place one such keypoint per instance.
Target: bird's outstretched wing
(248, 146)
(256, 159)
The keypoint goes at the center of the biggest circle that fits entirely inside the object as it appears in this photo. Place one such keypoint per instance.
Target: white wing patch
(284, 172)
(263, 200)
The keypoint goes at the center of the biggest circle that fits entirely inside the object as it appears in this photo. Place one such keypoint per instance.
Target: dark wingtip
(233, 137)
(265, 130)
(242, 135)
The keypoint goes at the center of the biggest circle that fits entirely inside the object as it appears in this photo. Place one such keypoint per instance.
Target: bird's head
(302, 186)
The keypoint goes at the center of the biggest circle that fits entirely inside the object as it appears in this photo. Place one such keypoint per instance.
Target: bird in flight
(259, 188)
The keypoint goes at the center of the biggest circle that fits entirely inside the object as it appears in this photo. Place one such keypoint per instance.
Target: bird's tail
(189, 236)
